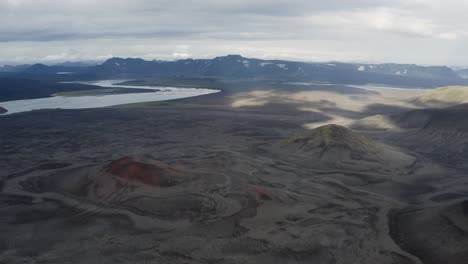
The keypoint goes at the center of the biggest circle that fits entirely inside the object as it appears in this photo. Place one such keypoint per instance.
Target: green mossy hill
(330, 140)
(331, 135)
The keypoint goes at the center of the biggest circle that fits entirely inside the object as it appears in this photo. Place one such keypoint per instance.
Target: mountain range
(238, 67)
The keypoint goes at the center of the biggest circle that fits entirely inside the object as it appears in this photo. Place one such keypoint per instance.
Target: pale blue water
(78, 102)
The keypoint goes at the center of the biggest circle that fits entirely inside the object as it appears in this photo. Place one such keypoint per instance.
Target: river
(95, 101)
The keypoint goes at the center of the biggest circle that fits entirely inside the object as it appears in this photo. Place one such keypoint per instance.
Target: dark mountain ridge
(238, 67)
(17, 89)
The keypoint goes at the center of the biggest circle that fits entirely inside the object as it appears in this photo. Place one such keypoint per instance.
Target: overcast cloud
(411, 31)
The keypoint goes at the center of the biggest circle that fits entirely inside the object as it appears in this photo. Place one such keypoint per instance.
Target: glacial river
(94, 101)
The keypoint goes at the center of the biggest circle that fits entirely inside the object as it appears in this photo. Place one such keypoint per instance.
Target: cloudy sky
(404, 31)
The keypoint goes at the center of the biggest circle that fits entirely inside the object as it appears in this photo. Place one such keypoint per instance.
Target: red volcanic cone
(146, 172)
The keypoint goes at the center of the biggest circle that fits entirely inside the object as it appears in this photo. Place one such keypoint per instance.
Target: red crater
(261, 194)
(148, 172)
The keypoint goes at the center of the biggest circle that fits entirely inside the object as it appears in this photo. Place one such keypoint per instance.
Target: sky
(426, 32)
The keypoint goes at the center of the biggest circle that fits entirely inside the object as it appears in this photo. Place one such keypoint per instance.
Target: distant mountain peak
(39, 65)
(118, 59)
(230, 57)
(118, 62)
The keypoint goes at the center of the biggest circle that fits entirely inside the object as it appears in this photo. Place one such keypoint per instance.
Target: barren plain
(303, 174)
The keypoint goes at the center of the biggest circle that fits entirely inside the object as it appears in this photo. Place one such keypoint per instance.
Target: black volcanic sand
(201, 185)
(436, 235)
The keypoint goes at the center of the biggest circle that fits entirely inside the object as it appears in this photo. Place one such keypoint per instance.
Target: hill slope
(441, 133)
(442, 97)
(341, 147)
(443, 226)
